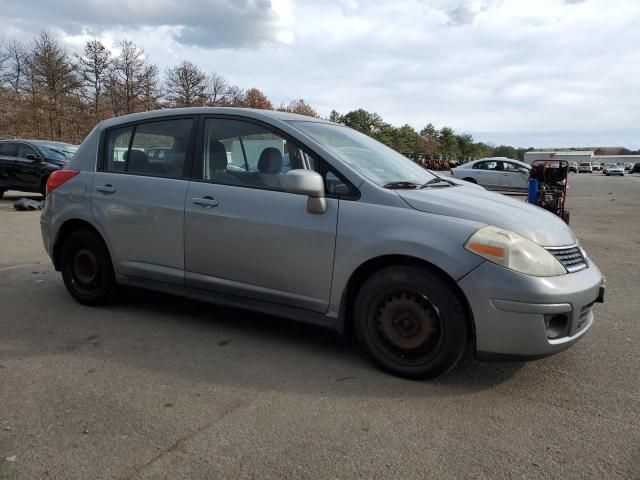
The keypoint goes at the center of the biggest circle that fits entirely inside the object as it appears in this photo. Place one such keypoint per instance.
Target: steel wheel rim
(406, 326)
(85, 271)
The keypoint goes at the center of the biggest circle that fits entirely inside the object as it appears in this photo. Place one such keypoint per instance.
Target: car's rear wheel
(86, 268)
(410, 322)
(470, 180)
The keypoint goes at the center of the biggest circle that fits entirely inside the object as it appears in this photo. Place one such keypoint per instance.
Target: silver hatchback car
(307, 219)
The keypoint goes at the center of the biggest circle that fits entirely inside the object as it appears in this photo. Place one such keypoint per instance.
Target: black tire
(43, 186)
(470, 180)
(410, 322)
(86, 268)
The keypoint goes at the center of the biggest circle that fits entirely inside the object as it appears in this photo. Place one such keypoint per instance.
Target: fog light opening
(557, 325)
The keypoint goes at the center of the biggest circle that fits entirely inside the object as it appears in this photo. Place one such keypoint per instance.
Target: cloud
(206, 23)
(475, 65)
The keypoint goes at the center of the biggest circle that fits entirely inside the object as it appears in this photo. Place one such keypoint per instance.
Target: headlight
(514, 251)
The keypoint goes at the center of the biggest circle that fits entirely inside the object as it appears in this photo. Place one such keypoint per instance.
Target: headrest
(217, 155)
(270, 161)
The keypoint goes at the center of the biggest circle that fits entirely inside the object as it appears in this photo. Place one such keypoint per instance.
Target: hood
(58, 163)
(479, 205)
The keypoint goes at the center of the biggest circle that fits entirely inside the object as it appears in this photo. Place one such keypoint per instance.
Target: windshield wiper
(393, 185)
(438, 180)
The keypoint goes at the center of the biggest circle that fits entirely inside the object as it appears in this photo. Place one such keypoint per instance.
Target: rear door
(8, 154)
(139, 204)
(244, 235)
(517, 176)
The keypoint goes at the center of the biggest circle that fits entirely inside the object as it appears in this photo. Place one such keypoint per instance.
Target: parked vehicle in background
(614, 169)
(585, 167)
(350, 235)
(495, 173)
(635, 168)
(573, 167)
(628, 166)
(596, 166)
(25, 165)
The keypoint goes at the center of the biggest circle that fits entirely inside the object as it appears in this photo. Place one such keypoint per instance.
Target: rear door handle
(205, 201)
(108, 188)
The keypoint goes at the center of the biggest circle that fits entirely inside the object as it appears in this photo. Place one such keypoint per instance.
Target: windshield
(367, 156)
(58, 151)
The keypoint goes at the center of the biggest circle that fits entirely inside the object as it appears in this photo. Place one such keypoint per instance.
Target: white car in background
(614, 169)
(585, 167)
(495, 173)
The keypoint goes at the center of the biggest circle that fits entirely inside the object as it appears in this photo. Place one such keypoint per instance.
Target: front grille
(571, 258)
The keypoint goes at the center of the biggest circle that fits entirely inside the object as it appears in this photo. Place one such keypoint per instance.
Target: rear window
(585, 164)
(157, 149)
(9, 149)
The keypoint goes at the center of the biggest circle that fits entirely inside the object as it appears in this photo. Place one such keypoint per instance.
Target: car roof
(37, 142)
(255, 113)
(502, 159)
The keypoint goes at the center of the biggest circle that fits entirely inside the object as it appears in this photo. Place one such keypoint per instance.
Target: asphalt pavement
(158, 387)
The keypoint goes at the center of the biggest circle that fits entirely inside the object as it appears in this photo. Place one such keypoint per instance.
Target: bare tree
(55, 74)
(185, 85)
(233, 97)
(127, 78)
(218, 87)
(151, 92)
(94, 68)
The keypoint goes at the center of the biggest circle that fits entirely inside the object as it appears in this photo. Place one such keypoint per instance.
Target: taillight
(58, 177)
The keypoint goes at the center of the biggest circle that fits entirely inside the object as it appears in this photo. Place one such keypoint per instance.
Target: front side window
(24, 150)
(156, 148)
(246, 154)
(514, 167)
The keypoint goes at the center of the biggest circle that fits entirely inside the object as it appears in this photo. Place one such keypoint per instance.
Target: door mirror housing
(309, 183)
(34, 157)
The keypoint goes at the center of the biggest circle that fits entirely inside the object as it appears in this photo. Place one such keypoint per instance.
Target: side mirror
(34, 157)
(310, 183)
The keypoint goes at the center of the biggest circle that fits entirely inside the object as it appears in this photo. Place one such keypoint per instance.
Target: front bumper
(512, 311)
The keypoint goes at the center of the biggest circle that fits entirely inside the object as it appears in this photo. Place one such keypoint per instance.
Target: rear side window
(156, 149)
(9, 149)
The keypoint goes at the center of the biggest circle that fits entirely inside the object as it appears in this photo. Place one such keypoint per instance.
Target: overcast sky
(525, 72)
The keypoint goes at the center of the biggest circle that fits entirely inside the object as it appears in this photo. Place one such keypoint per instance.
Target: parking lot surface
(161, 387)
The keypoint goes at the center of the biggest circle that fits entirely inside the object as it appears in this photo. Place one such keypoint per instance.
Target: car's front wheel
(86, 268)
(410, 322)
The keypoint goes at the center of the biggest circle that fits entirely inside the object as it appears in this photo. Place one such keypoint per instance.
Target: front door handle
(205, 201)
(108, 188)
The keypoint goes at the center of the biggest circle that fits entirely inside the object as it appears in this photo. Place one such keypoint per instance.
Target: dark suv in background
(25, 165)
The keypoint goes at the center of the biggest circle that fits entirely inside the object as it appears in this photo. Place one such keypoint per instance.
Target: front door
(139, 203)
(244, 235)
(27, 171)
